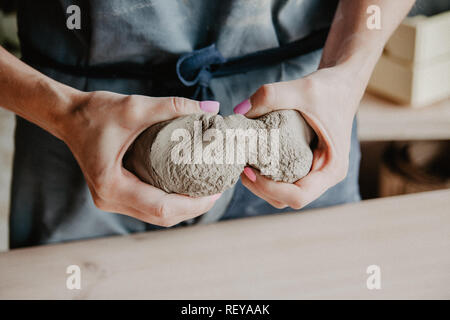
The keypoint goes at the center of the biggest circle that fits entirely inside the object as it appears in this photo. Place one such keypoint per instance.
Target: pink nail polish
(210, 106)
(250, 174)
(243, 107)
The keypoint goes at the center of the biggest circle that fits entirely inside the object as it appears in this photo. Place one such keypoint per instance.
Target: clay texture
(151, 155)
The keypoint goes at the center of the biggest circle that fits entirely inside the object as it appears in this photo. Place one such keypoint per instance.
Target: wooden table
(316, 254)
(381, 120)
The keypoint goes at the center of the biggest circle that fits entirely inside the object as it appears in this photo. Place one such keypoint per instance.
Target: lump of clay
(204, 154)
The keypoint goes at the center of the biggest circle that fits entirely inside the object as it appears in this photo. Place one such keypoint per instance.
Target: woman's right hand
(99, 130)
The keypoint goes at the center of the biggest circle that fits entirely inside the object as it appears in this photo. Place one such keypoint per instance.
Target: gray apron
(50, 199)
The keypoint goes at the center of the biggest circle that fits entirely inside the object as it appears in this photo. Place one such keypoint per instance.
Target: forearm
(34, 96)
(355, 48)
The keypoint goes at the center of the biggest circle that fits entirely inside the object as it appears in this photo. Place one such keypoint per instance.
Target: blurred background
(404, 118)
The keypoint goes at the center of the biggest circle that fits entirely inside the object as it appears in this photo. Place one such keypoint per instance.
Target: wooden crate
(415, 66)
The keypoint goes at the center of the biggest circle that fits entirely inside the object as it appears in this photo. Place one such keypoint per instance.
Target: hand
(99, 131)
(328, 101)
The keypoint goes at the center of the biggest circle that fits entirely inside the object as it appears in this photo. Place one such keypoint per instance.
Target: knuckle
(296, 204)
(163, 214)
(133, 114)
(278, 205)
(101, 184)
(104, 185)
(268, 187)
(164, 223)
(267, 94)
(130, 101)
(161, 211)
(177, 105)
(168, 224)
(312, 89)
(99, 202)
(309, 84)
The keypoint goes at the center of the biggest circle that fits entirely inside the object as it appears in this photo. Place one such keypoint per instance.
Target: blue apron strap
(191, 70)
(198, 67)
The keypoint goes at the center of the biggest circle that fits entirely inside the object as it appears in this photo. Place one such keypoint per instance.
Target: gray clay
(151, 159)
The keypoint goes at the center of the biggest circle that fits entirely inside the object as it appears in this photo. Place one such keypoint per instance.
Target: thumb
(270, 97)
(167, 108)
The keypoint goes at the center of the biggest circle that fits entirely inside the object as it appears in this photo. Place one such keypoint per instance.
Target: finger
(270, 97)
(173, 107)
(149, 199)
(250, 186)
(175, 208)
(158, 215)
(118, 206)
(313, 186)
(130, 191)
(248, 178)
(286, 193)
(147, 203)
(324, 174)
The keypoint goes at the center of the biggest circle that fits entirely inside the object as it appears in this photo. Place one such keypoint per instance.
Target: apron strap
(198, 67)
(194, 69)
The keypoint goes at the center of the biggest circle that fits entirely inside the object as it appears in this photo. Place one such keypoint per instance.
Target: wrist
(352, 72)
(358, 63)
(69, 101)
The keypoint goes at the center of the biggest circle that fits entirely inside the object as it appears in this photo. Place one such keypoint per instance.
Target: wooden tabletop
(382, 120)
(320, 253)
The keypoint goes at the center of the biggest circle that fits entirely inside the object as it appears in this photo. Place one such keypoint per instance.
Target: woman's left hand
(328, 100)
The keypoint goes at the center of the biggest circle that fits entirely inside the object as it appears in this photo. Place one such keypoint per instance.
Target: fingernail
(250, 174)
(210, 106)
(243, 107)
(215, 197)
